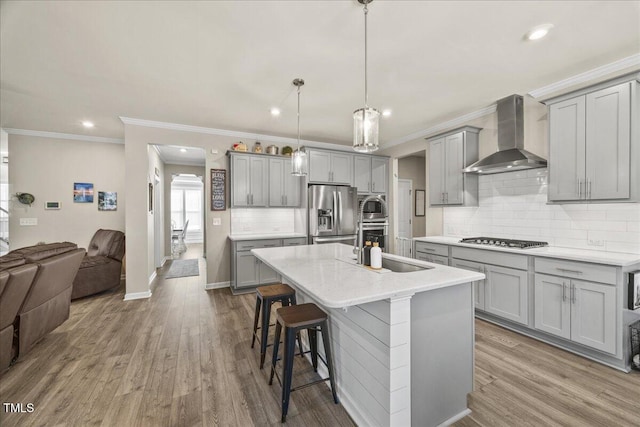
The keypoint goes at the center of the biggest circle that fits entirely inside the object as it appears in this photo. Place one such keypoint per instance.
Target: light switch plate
(28, 221)
(217, 221)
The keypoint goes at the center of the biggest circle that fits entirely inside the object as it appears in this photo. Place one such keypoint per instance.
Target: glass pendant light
(299, 157)
(365, 120)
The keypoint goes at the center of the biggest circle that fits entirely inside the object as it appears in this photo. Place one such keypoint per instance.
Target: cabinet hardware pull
(573, 293)
(252, 199)
(569, 271)
(270, 246)
(589, 184)
(286, 199)
(374, 186)
(564, 292)
(579, 188)
(247, 198)
(428, 249)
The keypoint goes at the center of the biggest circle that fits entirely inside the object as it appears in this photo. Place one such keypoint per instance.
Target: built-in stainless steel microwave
(372, 209)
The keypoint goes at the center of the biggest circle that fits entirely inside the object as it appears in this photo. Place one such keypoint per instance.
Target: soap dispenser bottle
(376, 256)
(367, 253)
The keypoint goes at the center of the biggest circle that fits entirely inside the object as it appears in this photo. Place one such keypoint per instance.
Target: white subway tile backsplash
(514, 205)
(262, 221)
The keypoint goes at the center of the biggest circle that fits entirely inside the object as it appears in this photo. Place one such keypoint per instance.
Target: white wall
(513, 205)
(48, 168)
(414, 168)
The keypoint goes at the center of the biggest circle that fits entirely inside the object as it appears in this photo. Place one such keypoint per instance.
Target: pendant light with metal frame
(299, 157)
(365, 120)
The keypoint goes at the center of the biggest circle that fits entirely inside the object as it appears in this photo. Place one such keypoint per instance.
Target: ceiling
(224, 64)
(179, 155)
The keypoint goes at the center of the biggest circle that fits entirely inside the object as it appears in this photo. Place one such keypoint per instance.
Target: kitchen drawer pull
(566, 270)
(270, 246)
(426, 249)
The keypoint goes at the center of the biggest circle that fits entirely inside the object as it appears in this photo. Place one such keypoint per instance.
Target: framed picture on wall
(420, 206)
(82, 192)
(107, 201)
(218, 189)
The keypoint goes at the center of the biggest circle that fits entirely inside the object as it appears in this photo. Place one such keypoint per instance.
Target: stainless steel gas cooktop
(504, 243)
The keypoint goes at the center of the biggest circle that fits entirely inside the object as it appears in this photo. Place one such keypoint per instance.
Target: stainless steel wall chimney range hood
(511, 154)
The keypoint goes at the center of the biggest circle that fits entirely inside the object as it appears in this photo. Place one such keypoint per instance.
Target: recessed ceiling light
(87, 124)
(183, 150)
(536, 33)
(386, 113)
(275, 111)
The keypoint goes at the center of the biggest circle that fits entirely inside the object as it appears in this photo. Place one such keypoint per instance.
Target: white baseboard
(153, 276)
(455, 418)
(137, 295)
(217, 285)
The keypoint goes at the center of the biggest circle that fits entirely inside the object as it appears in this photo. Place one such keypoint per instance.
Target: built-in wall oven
(372, 209)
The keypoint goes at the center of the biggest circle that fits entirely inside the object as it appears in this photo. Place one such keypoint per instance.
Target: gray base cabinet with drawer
(576, 309)
(505, 290)
(431, 252)
(247, 271)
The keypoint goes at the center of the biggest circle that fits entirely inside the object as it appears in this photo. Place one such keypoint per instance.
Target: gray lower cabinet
(505, 293)
(478, 286)
(577, 309)
(431, 252)
(247, 271)
(505, 290)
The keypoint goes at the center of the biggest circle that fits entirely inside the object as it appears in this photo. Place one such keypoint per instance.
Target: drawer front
(432, 248)
(577, 270)
(294, 242)
(436, 259)
(504, 259)
(247, 245)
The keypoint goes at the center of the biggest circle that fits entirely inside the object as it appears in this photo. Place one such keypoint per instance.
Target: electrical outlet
(593, 242)
(217, 221)
(28, 221)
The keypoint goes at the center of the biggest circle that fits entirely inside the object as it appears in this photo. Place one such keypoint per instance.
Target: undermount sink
(401, 267)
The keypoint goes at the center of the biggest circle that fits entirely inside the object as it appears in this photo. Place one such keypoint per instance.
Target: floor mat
(183, 268)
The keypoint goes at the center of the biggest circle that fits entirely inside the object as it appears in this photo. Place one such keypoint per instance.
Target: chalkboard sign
(218, 189)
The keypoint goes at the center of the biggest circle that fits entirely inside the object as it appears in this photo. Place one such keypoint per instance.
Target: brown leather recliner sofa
(101, 267)
(45, 303)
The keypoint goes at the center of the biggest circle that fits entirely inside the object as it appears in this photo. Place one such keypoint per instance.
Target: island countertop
(329, 274)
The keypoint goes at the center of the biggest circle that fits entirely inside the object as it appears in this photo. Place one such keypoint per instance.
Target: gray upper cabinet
(590, 152)
(330, 167)
(370, 174)
(449, 154)
(249, 181)
(284, 188)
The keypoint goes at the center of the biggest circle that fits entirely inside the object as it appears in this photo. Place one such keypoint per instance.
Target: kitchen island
(402, 341)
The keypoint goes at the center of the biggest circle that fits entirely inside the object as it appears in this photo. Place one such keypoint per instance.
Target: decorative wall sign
(218, 189)
(107, 201)
(420, 202)
(82, 192)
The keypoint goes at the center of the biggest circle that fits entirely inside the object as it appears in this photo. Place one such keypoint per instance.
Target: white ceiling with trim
(225, 64)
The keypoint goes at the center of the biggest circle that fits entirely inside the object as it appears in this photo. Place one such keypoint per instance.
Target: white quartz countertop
(329, 274)
(239, 237)
(598, 257)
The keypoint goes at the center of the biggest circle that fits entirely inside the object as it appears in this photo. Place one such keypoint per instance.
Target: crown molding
(236, 134)
(605, 70)
(57, 135)
(450, 124)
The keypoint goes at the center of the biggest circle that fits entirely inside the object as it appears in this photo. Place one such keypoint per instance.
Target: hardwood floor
(183, 357)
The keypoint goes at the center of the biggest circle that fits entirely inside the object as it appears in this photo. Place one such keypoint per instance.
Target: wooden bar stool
(265, 297)
(293, 319)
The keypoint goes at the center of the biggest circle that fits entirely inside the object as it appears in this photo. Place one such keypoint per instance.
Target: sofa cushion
(93, 261)
(11, 260)
(39, 252)
(107, 243)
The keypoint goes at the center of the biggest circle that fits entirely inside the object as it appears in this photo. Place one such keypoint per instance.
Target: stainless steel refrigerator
(332, 214)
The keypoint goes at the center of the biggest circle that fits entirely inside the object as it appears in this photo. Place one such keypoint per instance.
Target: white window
(187, 204)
